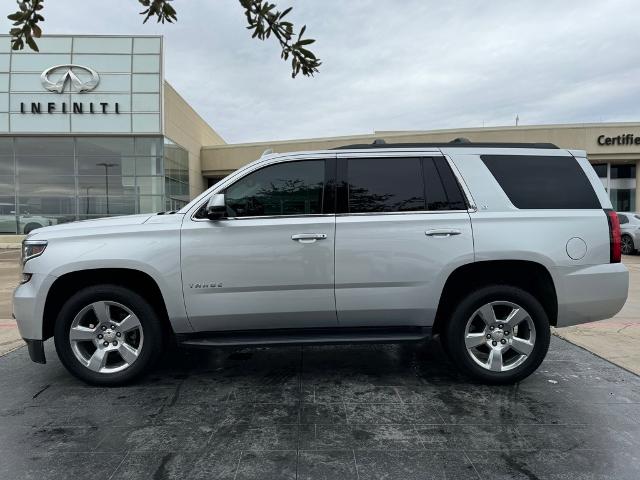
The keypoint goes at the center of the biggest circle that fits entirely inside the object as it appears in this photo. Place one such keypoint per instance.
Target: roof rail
(457, 143)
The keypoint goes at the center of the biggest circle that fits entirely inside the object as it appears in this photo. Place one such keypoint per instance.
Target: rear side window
(399, 184)
(623, 219)
(442, 189)
(385, 185)
(542, 182)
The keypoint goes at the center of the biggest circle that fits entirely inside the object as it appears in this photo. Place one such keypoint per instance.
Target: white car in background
(630, 230)
(26, 222)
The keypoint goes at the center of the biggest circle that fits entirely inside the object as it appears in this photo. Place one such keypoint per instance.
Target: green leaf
(32, 43)
(307, 53)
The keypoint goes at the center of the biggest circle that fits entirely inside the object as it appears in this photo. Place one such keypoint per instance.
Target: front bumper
(590, 293)
(28, 305)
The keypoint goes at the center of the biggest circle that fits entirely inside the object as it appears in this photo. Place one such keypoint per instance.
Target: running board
(309, 336)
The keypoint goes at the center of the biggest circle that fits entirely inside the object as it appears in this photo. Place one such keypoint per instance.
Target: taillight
(615, 248)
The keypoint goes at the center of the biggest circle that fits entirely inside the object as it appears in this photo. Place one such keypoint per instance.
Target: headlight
(32, 249)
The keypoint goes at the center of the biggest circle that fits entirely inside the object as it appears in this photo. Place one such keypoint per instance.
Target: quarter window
(542, 182)
(291, 188)
(623, 219)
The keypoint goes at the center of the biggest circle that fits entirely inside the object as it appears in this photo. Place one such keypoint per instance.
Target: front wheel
(498, 334)
(107, 335)
(30, 227)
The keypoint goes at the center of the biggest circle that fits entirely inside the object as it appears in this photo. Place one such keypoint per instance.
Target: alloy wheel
(106, 337)
(627, 245)
(500, 336)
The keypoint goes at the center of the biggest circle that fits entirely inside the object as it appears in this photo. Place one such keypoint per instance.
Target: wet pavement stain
(379, 411)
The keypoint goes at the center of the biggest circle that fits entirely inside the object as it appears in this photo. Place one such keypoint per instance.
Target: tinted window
(623, 219)
(385, 185)
(292, 188)
(601, 169)
(443, 191)
(542, 182)
(623, 171)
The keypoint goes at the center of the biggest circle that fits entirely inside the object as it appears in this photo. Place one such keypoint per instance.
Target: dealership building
(89, 127)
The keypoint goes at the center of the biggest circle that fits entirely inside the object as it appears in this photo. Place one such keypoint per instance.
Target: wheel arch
(69, 283)
(528, 275)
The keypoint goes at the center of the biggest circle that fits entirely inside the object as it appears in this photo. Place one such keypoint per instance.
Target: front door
(270, 263)
(401, 228)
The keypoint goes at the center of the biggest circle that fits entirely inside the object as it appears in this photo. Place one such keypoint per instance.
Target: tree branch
(25, 24)
(262, 18)
(265, 20)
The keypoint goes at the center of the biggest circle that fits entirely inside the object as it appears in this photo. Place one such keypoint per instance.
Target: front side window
(291, 188)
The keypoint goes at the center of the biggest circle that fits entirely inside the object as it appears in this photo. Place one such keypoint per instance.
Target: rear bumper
(590, 293)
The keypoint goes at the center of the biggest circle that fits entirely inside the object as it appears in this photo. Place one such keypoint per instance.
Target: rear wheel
(627, 245)
(107, 335)
(498, 334)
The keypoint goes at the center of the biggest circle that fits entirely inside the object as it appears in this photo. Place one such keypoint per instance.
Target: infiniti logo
(55, 78)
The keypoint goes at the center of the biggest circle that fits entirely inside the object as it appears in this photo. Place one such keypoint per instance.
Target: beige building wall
(223, 159)
(184, 126)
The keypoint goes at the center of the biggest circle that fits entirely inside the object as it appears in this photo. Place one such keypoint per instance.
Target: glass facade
(176, 165)
(620, 182)
(52, 180)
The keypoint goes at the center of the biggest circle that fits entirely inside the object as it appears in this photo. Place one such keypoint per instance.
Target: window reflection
(376, 186)
(293, 188)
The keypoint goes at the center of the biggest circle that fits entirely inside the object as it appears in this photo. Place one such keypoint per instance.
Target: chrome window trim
(416, 212)
(267, 217)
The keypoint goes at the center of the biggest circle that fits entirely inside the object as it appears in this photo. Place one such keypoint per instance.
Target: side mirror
(216, 207)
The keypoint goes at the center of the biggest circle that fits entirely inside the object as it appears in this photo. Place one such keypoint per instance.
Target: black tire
(30, 227)
(148, 318)
(627, 245)
(455, 330)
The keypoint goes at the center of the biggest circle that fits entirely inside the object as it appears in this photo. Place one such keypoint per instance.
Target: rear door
(402, 227)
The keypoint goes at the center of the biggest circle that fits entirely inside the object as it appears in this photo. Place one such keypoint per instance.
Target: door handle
(442, 232)
(308, 237)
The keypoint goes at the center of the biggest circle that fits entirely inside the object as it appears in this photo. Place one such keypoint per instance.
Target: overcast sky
(391, 65)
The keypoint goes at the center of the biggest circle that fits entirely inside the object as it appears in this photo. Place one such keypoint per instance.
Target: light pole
(88, 188)
(106, 166)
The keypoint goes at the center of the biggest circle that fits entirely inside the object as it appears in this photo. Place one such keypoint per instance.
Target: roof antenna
(460, 140)
(379, 141)
(268, 151)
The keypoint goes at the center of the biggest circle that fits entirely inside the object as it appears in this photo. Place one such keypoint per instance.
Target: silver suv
(484, 245)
